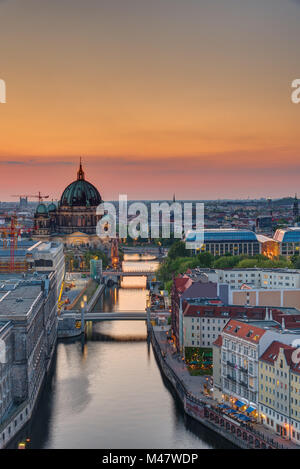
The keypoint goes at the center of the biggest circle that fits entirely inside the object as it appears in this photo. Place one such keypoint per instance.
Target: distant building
(296, 209)
(264, 223)
(96, 269)
(226, 241)
(289, 240)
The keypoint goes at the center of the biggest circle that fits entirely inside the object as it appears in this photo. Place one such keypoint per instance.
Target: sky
(191, 97)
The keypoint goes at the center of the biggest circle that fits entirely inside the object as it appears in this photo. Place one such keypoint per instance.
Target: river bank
(204, 409)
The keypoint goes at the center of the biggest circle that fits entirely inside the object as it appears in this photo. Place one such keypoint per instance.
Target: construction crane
(35, 196)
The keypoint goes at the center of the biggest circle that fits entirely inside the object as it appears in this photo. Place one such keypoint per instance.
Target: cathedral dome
(52, 207)
(41, 209)
(80, 193)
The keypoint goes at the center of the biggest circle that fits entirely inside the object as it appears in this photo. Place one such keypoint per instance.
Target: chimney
(283, 323)
(271, 315)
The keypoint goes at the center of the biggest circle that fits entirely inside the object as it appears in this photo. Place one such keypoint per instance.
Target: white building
(243, 342)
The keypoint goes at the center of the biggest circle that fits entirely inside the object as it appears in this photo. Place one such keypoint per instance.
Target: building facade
(28, 311)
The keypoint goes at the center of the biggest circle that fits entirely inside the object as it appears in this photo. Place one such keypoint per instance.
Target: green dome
(42, 209)
(80, 193)
(52, 207)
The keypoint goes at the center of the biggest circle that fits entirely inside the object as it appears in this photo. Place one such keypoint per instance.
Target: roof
(271, 353)
(289, 235)
(223, 234)
(248, 332)
(80, 192)
(182, 283)
(218, 342)
(20, 300)
(201, 290)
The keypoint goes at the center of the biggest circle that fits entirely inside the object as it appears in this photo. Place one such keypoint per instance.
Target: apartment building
(243, 343)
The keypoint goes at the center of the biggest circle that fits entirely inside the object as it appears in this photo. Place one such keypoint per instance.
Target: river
(109, 392)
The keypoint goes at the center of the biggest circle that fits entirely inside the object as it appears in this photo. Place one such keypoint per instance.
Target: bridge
(113, 315)
(108, 315)
(121, 273)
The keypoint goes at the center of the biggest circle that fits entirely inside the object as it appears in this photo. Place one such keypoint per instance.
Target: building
(179, 285)
(243, 343)
(47, 257)
(28, 318)
(96, 269)
(268, 279)
(274, 387)
(6, 347)
(204, 321)
(20, 263)
(279, 390)
(264, 223)
(254, 286)
(75, 217)
(289, 240)
(217, 369)
(220, 242)
(32, 256)
(296, 209)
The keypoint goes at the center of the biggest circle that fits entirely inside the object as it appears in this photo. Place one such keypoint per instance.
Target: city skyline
(191, 98)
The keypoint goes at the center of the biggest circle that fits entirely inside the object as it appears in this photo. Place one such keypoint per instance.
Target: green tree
(205, 259)
(178, 250)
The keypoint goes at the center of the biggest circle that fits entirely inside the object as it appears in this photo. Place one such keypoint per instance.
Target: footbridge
(108, 315)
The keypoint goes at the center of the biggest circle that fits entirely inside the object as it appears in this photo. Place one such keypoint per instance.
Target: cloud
(35, 162)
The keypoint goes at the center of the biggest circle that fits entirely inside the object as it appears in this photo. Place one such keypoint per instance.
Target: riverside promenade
(204, 408)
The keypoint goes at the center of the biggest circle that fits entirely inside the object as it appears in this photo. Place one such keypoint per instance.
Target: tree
(178, 249)
(205, 259)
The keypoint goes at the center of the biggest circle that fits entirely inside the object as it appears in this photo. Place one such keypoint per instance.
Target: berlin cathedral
(73, 220)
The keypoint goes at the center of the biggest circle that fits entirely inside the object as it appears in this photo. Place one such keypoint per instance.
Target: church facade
(74, 218)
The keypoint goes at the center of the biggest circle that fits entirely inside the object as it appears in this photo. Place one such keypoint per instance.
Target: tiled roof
(219, 341)
(271, 353)
(182, 283)
(244, 331)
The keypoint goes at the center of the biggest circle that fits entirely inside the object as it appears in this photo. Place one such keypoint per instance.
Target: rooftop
(245, 331)
(222, 234)
(20, 300)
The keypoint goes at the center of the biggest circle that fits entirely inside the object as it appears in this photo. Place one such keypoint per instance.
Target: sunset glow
(191, 97)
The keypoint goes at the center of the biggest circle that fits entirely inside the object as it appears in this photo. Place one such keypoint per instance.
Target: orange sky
(191, 97)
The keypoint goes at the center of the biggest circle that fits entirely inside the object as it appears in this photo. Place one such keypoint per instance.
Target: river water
(109, 392)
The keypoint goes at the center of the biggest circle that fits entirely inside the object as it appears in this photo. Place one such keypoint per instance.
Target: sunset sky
(157, 96)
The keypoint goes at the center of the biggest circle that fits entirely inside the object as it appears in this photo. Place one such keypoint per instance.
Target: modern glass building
(225, 241)
(289, 240)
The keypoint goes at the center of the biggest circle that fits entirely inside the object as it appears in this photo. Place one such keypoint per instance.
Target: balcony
(243, 369)
(242, 383)
(229, 363)
(231, 378)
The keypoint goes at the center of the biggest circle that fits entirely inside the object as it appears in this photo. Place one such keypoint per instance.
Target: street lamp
(83, 305)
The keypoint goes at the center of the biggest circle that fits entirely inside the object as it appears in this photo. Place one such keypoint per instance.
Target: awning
(250, 409)
(239, 403)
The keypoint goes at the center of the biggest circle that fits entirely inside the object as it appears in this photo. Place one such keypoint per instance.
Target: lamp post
(83, 307)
